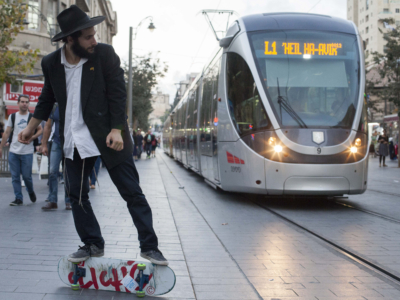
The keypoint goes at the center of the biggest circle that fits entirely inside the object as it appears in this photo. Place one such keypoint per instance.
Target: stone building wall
(42, 16)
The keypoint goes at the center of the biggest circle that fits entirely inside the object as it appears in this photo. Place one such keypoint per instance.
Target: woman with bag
(383, 141)
(153, 146)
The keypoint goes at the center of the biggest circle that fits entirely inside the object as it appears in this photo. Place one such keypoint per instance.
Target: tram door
(205, 126)
(183, 135)
(177, 152)
(209, 123)
(170, 137)
(191, 129)
(214, 120)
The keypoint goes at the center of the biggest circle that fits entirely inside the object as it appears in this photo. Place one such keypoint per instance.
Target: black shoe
(16, 202)
(32, 196)
(155, 256)
(85, 252)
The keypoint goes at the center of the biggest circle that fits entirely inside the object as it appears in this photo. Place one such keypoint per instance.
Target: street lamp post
(131, 36)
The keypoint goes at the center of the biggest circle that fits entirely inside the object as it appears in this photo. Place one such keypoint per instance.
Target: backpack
(10, 138)
(154, 142)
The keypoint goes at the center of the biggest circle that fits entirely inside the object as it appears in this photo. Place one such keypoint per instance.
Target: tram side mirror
(226, 41)
(233, 30)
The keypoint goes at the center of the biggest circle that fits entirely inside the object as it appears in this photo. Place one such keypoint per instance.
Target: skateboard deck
(117, 275)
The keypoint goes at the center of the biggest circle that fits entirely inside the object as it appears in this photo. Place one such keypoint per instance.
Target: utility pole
(131, 37)
(130, 80)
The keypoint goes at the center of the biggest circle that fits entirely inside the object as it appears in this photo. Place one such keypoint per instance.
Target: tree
(146, 71)
(388, 66)
(165, 116)
(12, 14)
(176, 99)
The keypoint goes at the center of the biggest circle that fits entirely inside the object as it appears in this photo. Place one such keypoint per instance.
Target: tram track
(364, 261)
(366, 211)
(385, 193)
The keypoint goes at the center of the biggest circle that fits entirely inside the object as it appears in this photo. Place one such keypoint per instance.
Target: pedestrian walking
(20, 155)
(154, 147)
(372, 149)
(139, 142)
(135, 150)
(148, 139)
(95, 173)
(55, 154)
(1, 129)
(383, 141)
(88, 83)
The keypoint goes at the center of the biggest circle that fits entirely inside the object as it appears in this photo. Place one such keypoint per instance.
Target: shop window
(16, 88)
(51, 16)
(33, 14)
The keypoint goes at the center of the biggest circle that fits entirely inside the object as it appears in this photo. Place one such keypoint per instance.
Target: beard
(81, 52)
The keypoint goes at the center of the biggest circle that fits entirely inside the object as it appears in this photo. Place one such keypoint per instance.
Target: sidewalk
(219, 245)
(32, 240)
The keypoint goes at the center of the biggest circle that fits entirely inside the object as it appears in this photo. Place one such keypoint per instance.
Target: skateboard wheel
(140, 294)
(75, 287)
(141, 267)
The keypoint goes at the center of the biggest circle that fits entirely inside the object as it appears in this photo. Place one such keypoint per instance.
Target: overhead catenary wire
(314, 6)
(201, 44)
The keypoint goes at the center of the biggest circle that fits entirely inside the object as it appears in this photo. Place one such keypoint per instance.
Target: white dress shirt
(76, 132)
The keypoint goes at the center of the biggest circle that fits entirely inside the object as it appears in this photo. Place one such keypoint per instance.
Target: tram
(279, 109)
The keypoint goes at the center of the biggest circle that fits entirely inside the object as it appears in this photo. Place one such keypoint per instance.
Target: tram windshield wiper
(286, 106)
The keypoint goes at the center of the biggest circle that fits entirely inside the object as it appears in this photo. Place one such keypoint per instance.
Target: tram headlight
(357, 142)
(278, 148)
(353, 149)
(271, 141)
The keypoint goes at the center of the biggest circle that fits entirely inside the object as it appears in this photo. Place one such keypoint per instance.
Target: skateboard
(127, 276)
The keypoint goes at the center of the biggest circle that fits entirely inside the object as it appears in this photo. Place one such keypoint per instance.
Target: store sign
(31, 88)
(327, 49)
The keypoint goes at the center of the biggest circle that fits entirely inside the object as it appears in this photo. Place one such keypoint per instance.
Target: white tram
(280, 109)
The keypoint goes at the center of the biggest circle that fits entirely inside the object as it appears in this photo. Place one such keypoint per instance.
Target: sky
(183, 39)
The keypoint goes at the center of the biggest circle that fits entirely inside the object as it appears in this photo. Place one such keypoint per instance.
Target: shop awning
(391, 118)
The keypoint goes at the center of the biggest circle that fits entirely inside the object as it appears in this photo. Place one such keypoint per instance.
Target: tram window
(311, 78)
(363, 126)
(205, 117)
(245, 106)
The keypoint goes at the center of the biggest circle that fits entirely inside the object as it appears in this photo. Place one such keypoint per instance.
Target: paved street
(220, 245)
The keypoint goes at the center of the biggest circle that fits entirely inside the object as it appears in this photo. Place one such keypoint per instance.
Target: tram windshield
(310, 78)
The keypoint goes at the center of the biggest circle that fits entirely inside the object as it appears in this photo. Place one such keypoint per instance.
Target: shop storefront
(391, 123)
(33, 88)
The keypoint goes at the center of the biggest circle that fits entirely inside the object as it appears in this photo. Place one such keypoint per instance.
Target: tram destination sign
(326, 49)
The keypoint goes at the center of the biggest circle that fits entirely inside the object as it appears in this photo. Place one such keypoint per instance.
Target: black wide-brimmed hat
(74, 19)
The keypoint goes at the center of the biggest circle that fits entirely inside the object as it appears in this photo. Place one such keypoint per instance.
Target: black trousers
(126, 179)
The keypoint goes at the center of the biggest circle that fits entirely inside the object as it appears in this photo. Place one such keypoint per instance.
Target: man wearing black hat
(86, 80)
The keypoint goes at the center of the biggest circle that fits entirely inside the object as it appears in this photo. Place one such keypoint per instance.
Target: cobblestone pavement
(279, 261)
(383, 194)
(220, 245)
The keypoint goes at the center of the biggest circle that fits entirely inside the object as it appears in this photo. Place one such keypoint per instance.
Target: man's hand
(44, 149)
(114, 140)
(25, 136)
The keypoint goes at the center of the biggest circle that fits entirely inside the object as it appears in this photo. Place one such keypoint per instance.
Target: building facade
(42, 19)
(182, 86)
(368, 16)
(160, 104)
